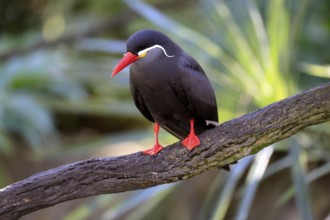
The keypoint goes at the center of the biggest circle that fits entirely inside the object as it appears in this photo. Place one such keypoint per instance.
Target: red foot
(191, 141)
(155, 150)
(157, 147)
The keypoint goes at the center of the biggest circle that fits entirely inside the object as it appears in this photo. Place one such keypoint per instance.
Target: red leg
(157, 147)
(192, 140)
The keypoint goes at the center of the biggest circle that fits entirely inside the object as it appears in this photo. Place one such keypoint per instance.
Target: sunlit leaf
(253, 180)
(228, 190)
(316, 70)
(148, 198)
(300, 183)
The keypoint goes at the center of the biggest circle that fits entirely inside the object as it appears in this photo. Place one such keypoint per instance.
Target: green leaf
(253, 180)
(228, 190)
(300, 183)
(315, 70)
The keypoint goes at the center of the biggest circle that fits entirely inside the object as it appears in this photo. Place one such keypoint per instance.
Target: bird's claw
(154, 151)
(191, 141)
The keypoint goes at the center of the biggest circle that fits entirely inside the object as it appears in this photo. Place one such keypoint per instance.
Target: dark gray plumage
(169, 86)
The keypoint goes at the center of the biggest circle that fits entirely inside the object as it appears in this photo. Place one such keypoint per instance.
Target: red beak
(125, 61)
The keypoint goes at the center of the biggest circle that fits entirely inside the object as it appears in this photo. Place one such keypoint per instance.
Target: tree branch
(220, 146)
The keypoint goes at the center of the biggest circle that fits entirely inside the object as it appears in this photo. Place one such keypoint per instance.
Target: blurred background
(58, 103)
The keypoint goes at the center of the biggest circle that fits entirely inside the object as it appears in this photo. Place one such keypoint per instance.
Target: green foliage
(248, 53)
(24, 82)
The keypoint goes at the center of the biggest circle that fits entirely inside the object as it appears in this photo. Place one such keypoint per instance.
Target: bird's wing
(195, 90)
(139, 103)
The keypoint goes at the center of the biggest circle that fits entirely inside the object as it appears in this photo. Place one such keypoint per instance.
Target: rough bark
(220, 146)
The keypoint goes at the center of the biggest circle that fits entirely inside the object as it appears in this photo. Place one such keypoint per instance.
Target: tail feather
(181, 129)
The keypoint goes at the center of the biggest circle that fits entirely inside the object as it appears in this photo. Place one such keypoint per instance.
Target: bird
(169, 87)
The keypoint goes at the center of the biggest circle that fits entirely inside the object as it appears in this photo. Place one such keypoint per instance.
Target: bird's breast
(155, 88)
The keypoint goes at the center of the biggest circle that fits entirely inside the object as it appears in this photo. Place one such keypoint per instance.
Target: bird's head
(142, 43)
